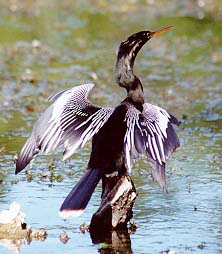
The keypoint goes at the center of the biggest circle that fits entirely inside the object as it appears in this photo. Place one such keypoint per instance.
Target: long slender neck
(135, 94)
(126, 78)
(124, 74)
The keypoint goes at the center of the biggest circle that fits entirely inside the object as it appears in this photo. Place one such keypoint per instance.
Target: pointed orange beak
(158, 32)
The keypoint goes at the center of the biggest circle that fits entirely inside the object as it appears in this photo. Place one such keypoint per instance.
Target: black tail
(78, 198)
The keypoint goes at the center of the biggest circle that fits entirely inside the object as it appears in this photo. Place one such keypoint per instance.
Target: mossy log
(20, 231)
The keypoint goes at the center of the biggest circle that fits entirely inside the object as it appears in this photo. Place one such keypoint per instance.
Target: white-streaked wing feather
(85, 131)
(69, 123)
(151, 133)
(158, 125)
(133, 133)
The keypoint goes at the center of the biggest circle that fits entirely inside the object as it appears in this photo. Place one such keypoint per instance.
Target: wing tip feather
(29, 150)
(159, 175)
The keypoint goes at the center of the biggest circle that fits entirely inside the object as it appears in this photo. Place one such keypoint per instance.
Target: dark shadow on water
(116, 241)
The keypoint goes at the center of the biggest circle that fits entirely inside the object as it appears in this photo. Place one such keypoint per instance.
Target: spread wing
(69, 122)
(151, 132)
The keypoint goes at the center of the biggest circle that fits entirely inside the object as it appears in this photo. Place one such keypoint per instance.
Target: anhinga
(119, 135)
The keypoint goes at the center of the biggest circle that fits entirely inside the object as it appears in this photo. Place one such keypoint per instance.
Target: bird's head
(128, 50)
(130, 47)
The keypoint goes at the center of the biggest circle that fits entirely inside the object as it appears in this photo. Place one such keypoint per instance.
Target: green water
(46, 46)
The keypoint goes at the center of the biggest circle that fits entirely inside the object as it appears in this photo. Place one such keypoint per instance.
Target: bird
(120, 135)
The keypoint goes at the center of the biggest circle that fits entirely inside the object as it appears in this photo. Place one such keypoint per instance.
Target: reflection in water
(116, 241)
(14, 245)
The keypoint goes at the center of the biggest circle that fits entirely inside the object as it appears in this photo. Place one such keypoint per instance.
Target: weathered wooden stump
(115, 211)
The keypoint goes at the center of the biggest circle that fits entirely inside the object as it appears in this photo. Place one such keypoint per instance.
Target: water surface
(46, 47)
